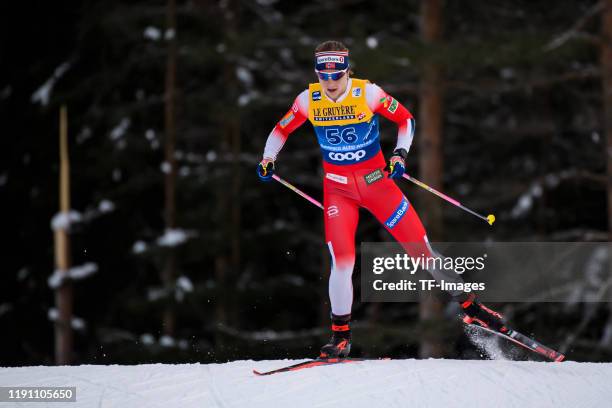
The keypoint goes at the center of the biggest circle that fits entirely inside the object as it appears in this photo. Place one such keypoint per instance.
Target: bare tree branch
(574, 31)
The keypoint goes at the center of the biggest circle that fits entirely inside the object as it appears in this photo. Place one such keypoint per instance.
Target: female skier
(344, 112)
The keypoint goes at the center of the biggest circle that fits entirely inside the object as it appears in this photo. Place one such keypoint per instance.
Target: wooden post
(63, 294)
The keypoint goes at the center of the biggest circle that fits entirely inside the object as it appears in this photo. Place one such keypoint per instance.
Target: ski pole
(297, 190)
(489, 218)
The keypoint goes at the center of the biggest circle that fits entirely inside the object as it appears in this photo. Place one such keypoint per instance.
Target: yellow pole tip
(491, 219)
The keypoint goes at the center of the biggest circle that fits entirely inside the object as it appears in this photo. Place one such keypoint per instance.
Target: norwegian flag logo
(330, 65)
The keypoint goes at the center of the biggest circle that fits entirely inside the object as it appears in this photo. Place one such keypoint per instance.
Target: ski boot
(482, 315)
(339, 346)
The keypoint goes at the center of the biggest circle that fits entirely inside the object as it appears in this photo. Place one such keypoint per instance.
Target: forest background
(188, 257)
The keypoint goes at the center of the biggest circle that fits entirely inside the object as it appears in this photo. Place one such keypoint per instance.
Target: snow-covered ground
(386, 383)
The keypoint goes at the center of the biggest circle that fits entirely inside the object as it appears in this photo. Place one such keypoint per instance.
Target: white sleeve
(375, 97)
(302, 101)
(374, 93)
(278, 136)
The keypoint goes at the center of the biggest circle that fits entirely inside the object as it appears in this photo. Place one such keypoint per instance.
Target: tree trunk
(234, 132)
(228, 205)
(606, 75)
(431, 161)
(169, 269)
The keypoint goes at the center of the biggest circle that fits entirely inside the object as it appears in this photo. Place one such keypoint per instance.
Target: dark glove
(397, 164)
(265, 169)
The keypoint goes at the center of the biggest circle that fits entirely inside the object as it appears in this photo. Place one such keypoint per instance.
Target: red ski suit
(347, 130)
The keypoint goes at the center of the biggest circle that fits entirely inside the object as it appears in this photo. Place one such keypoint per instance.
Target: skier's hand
(265, 169)
(397, 164)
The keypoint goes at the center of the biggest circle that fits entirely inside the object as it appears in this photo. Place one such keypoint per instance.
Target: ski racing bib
(347, 131)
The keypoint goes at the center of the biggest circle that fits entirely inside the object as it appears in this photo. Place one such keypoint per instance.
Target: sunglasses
(334, 76)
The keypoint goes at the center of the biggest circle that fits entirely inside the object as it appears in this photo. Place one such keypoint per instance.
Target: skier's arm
(382, 103)
(294, 118)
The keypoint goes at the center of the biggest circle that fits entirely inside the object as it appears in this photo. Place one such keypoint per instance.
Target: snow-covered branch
(174, 237)
(76, 322)
(63, 220)
(43, 94)
(550, 181)
(182, 286)
(165, 341)
(75, 273)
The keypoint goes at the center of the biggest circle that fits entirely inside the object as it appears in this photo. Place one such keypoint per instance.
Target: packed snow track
(385, 383)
